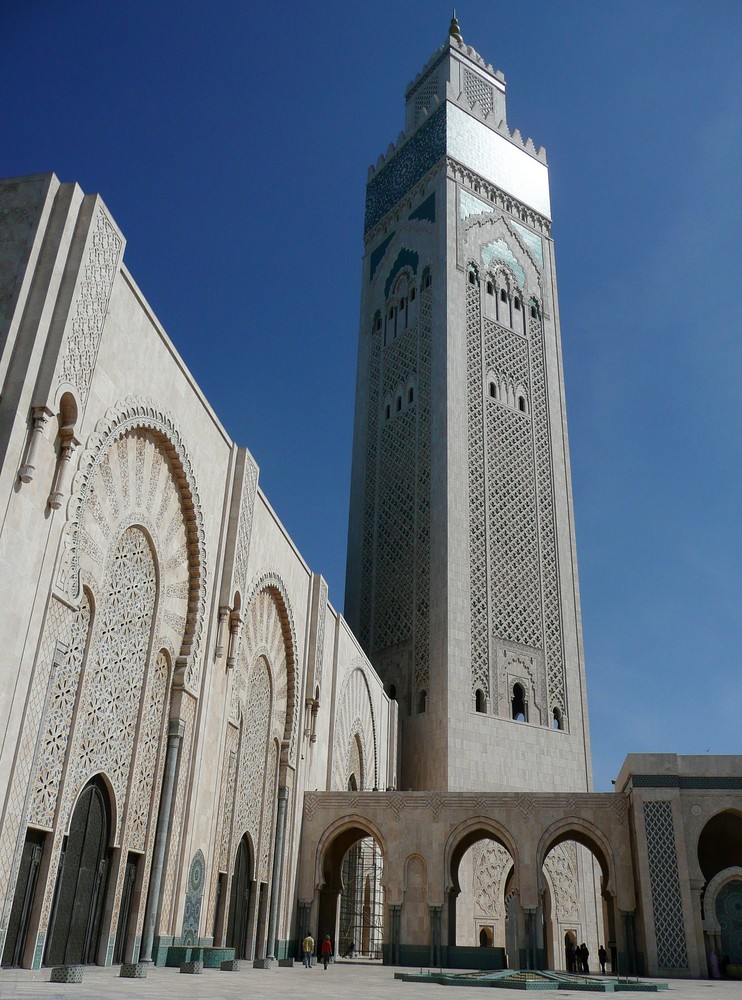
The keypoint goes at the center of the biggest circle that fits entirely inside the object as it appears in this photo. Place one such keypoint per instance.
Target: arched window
(392, 692)
(412, 295)
(399, 403)
(534, 311)
(427, 280)
(493, 390)
(520, 708)
(480, 702)
(410, 394)
(503, 295)
(516, 302)
(522, 404)
(472, 278)
(422, 702)
(490, 288)
(387, 411)
(557, 722)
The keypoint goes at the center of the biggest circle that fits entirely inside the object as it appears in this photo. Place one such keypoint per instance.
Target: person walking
(326, 951)
(307, 947)
(584, 955)
(350, 951)
(602, 957)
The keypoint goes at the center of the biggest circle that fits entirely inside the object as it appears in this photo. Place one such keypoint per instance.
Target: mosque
(201, 759)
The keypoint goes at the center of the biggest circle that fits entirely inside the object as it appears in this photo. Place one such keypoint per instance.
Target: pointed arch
(144, 420)
(354, 720)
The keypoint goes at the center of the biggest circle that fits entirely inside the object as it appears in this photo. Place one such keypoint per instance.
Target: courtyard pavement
(341, 981)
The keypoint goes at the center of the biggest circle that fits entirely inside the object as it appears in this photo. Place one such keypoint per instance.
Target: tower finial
(454, 30)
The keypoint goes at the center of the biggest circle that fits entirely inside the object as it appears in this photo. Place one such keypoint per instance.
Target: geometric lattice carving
(107, 715)
(54, 643)
(491, 862)
(94, 291)
(553, 640)
(513, 556)
(478, 575)
(58, 720)
(253, 755)
(247, 503)
(560, 865)
(667, 904)
(424, 96)
(477, 89)
(226, 801)
(269, 797)
(355, 735)
(148, 747)
(135, 469)
(395, 557)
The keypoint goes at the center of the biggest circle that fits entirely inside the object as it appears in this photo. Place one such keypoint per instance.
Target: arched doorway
(577, 908)
(351, 901)
(238, 929)
(81, 881)
(729, 914)
(720, 859)
(482, 877)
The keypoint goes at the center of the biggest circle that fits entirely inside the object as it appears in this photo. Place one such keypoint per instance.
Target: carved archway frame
(136, 413)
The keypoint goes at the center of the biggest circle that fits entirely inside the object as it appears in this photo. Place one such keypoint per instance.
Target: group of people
(325, 952)
(578, 958)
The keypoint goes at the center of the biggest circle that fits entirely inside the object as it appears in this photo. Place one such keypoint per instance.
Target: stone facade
(461, 581)
(161, 610)
(196, 752)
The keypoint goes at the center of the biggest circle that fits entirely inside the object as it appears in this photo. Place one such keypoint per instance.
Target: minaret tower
(462, 573)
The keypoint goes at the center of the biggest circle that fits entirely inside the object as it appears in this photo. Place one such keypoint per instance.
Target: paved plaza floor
(341, 981)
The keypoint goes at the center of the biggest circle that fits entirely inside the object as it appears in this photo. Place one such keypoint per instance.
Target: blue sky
(231, 143)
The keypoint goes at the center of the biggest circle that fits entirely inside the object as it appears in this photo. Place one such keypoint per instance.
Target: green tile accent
(405, 258)
(406, 167)
(424, 212)
(377, 256)
(685, 781)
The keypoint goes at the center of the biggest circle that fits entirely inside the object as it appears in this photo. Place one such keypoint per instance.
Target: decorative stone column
(627, 918)
(395, 923)
(235, 635)
(175, 732)
(436, 915)
(531, 945)
(40, 416)
(283, 796)
(303, 923)
(68, 446)
(221, 630)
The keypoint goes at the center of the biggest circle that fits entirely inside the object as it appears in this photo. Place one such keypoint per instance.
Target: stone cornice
(479, 186)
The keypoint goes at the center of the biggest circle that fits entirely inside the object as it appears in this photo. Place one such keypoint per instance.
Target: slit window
(410, 394)
(388, 411)
(520, 709)
(412, 295)
(399, 403)
(422, 702)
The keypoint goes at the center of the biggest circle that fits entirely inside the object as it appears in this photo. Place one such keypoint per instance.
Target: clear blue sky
(231, 142)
